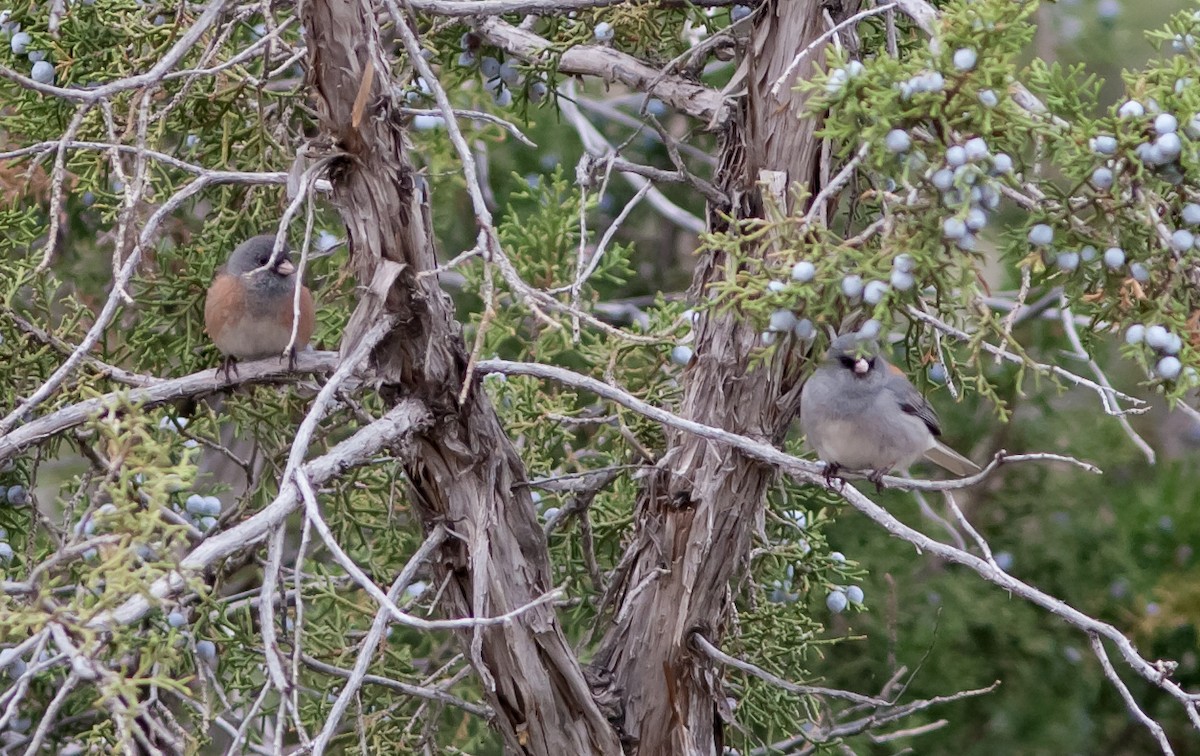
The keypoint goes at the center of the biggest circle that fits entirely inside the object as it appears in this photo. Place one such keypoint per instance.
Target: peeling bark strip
(696, 520)
(468, 476)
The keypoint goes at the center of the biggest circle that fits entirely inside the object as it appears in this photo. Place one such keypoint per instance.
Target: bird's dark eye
(263, 260)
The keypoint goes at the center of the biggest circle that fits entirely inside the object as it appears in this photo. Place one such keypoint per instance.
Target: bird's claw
(229, 366)
(876, 477)
(831, 471)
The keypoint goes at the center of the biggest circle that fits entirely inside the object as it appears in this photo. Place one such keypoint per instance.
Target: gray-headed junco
(861, 413)
(248, 312)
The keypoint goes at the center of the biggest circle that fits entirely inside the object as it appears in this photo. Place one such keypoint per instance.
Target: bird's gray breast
(854, 423)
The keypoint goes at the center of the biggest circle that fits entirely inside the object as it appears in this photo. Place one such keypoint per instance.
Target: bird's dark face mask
(859, 365)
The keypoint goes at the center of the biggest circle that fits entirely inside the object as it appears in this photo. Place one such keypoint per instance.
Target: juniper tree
(531, 491)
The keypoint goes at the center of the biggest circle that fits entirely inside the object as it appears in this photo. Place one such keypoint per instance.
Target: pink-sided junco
(248, 312)
(861, 413)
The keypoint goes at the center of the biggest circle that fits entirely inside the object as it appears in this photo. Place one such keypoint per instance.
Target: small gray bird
(249, 309)
(861, 413)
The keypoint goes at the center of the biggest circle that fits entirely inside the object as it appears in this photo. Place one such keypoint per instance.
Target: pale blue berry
(989, 197)
(1068, 261)
(1193, 127)
(782, 321)
(1140, 272)
(855, 594)
(1041, 235)
(874, 292)
(955, 156)
(1104, 145)
(1191, 214)
(681, 354)
(489, 67)
(1165, 123)
(901, 280)
(1114, 257)
(466, 59)
(836, 81)
(1004, 560)
(196, 505)
(976, 149)
(1168, 368)
(937, 373)
(904, 263)
(897, 140)
(603, 31)
(6, 552)
(965, 58)
(1169, 145)
(872, 328)
(776, 286)
(206, 524)
(551, 513)
(1136, 334)
(509, 74)
(1150, 154)
(1088, 253)
(1157, 336)
(206, 650)
(738, 12)
(837, 556)
(20, 42)
(538, 91)
(988, 98)
(967, 242)
(176, 619)
(1173, 345)
(836, 601)
(1182, 240)
(42, 72)
(503, 98)
(804, 329)
(17, 495)
(954, 228)
(803, 271)
(1001, 163)
(976, 219)
(1102, 178)
(415, 589)
(1131, 109)
(854, 69)
(852, 286)
(942, 179)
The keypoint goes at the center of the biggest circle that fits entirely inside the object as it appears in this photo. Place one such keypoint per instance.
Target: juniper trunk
(694, 522)
(468, 475)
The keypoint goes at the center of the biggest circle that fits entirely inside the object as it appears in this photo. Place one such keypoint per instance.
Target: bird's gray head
(255, 253)
(858, 355)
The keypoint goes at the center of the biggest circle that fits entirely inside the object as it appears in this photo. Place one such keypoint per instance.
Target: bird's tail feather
(944, 456)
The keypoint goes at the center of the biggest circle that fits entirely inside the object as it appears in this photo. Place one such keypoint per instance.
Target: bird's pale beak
(285, 268)
(861, 366)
